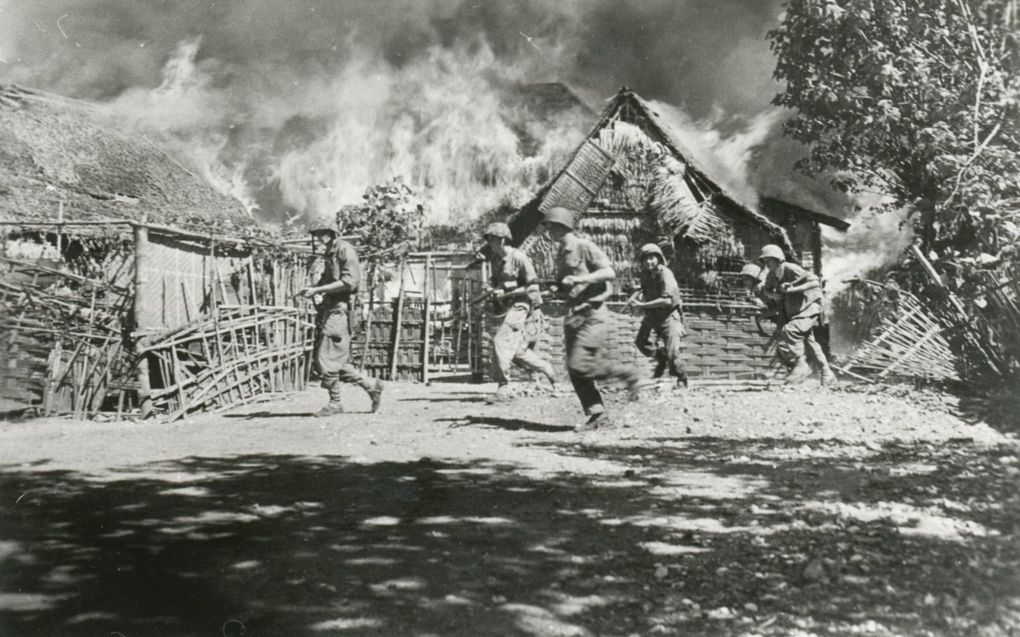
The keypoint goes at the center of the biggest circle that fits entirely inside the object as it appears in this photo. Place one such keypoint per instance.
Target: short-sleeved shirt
(801, 304)
(659, 283)
(511, 270)
(341, 264)
(581, 256)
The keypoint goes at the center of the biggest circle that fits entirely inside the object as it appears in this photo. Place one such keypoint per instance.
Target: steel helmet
(559, 215)
(322, 224)
(752, 270)
(651, 248)
(498, 229)
(772, 251)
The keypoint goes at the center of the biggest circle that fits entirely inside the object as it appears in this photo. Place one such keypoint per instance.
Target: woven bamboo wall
(722, 341)
(181, 279)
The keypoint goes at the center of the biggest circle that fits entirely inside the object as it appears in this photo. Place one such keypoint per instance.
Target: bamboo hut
(127, 283)
(635, 181)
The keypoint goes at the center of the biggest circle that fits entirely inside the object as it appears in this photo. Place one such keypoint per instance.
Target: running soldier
(663, 314)
(516, 298)
(799, 297)
(585, 275)
(332, 296)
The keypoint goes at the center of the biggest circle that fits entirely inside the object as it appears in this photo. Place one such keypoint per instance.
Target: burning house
(635, 181)
(128, 283)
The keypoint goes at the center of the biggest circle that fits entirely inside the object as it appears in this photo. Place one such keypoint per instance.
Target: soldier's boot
(375, 393)
(680, 374)
(598, 420)
(331, 385)
(502, 395)
(828, 377)
(331, 409)
(661, 361)
(800, 372)
(634, 389)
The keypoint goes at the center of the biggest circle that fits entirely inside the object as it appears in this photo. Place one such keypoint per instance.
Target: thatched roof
(54, 150)
(707, 191)
(775, 207)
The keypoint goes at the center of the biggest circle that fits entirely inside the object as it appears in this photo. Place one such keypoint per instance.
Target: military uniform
(799, 314)
(333, 354)
(585, 329)
(522, 321)
(665, 322)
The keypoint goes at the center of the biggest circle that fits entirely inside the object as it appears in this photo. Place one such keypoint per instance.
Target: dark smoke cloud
(295, 106)
(698, 54)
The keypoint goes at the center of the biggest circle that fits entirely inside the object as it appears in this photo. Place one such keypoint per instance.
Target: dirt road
(710, 512)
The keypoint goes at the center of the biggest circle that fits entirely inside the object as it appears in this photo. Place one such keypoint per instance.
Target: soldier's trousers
(514, 342)
(671, 332)
(590, 357)
(793, 335)
(333, 357)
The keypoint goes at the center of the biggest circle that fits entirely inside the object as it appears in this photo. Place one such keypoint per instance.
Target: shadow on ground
(694, 537)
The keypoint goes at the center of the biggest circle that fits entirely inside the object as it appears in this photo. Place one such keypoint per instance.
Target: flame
(440, 123)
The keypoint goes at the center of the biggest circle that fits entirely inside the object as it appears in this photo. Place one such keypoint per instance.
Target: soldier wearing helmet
(585, 276)
(333, 294)
(515, 300)
(752, 276)
(663, 313)
(799, 298)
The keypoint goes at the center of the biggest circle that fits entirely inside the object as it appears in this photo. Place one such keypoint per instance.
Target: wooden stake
(397, 323)
(141, 235)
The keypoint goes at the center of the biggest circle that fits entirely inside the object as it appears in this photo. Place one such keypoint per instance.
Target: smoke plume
(296, 107)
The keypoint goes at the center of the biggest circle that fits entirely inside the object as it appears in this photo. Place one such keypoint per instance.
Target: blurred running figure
(516, 298)
(663, 314)
(585, 275)
(332, 294)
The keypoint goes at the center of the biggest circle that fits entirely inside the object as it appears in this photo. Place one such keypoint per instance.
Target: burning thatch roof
(54, 150)
(701, 192)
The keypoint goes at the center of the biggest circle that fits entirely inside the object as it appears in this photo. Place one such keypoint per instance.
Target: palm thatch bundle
(655, 181)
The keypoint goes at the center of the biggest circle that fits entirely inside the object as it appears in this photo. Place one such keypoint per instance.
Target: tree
(916, 100)
(389, 222)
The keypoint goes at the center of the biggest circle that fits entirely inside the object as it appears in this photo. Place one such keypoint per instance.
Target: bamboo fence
(907, 341)
(237, 355)
(63, 340)
(145, 319)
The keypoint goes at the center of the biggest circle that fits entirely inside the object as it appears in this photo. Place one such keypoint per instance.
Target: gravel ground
(709, 511)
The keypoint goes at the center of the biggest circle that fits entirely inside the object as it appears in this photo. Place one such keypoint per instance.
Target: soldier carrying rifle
(516, 300)
(332, 295)
(797, 296)
(663, 314)
(585, 275)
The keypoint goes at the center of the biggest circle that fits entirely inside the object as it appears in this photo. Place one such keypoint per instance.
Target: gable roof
(629, 106)
(55, 150)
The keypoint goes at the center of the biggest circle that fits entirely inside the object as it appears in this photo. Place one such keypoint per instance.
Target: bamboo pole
(458, 326)
(141, 235)
(371, 311)
(426, 358)
(397, 323)
(60, 235)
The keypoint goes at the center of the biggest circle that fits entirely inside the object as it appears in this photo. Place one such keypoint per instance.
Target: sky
(296, 107)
